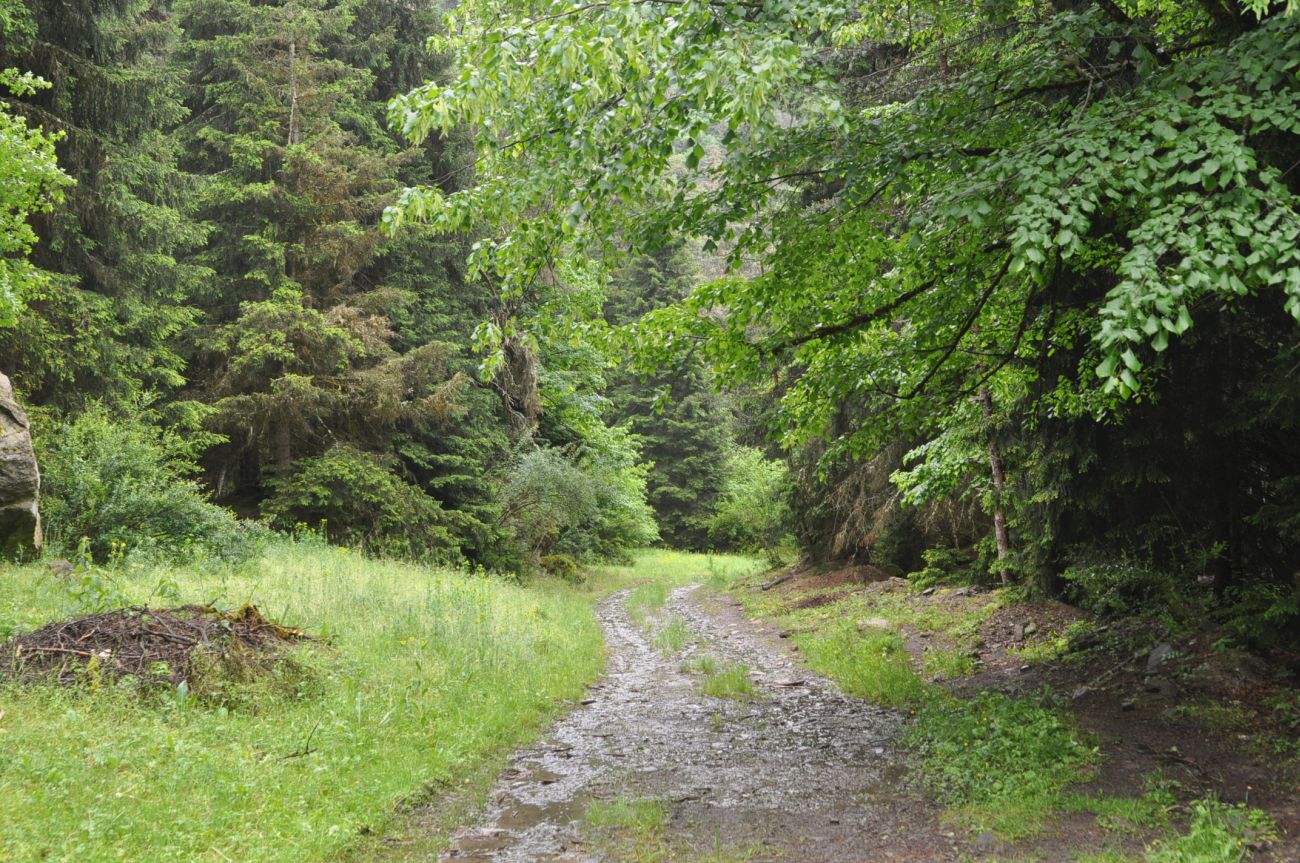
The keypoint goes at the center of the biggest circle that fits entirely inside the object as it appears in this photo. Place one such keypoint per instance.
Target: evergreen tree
(683, 425)
(109, 320)
(333, 351)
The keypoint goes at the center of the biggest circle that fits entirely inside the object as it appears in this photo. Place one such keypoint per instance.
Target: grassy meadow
(420, 680)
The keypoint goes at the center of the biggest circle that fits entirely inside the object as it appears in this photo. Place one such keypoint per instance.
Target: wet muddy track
(800, 773)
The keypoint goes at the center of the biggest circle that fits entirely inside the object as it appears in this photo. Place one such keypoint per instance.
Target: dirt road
(799, 772)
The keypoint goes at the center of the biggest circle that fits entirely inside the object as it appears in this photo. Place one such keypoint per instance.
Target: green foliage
(357, 500)
(113, 485)
(996, 756)
(562, 566)
(106, 321)
(752, 513)
(592, 506)
(1067, 214)
(30, 180)
(1219, 833)
(683, 426)
(942, 566)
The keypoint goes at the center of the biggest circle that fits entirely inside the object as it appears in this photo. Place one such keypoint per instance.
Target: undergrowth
(419, 674)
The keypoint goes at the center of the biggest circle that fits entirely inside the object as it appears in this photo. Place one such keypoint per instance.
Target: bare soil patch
(1186, 708)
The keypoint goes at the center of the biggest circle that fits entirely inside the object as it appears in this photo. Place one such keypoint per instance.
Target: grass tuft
(1219, 833)
(672, 636)
(729, 681)
(870, 664)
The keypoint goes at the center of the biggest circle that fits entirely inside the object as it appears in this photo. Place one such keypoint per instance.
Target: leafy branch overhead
(931, 199)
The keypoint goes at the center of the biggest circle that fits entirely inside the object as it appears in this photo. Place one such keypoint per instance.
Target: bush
(563, 567)
(752, 514)
(115, 485)
(590, 507)
(357, 500)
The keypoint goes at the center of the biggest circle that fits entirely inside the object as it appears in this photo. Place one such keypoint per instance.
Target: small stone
(1018, 632)
(1024, 668)
(1031, 628)
(1158, 656)
(928, 591)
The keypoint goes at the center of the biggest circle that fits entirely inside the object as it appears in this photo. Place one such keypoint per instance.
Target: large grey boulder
(20, 480)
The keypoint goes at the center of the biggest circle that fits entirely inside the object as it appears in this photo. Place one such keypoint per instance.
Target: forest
(338, 304)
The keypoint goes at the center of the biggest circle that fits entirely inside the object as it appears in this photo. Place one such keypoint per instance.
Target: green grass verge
(420, 675)
(870, 663)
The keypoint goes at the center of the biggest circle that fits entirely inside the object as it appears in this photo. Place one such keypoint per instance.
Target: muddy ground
(802, 772)
(799, 772)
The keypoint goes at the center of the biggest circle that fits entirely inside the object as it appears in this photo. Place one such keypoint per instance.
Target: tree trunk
(999, 481)
(283, 448)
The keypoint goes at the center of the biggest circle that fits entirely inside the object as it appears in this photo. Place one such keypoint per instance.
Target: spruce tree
(682, 423)
(108, 322)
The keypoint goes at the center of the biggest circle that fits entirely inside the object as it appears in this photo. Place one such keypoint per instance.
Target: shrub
(563, 567)
(114, 485)
(752, 514)
(590, 507)
(357, 499)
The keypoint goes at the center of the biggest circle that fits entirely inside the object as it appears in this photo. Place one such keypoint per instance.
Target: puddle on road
(802, 772)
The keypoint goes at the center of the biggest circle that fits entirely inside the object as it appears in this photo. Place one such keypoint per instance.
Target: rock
(929, 591)
(1031, 628)
(873, 623)
(1018, 632)
(1158, 656)
(20, 480)
(61, 568)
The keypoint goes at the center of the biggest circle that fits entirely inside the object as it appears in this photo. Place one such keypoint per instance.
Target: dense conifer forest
(1015, 290)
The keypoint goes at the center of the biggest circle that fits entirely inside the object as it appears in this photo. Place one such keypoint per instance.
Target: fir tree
(109, 320)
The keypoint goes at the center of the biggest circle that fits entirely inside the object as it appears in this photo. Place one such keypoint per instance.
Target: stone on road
(800, 772)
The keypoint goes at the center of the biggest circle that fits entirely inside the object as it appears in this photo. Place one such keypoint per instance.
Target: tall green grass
(419, 675)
